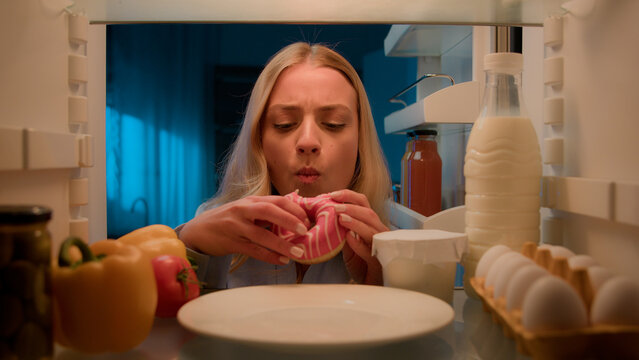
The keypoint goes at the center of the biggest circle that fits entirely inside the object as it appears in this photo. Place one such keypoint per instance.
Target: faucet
(146, 208)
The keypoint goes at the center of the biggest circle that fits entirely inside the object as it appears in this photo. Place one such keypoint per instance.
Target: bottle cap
(509, 63)
(426, 132)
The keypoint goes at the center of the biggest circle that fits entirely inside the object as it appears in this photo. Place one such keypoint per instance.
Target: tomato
(176, 282)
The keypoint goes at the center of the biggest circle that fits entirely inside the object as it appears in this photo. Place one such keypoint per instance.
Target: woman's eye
(283, 126)
(334, 126)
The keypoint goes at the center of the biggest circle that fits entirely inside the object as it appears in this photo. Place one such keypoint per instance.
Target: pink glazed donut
(322, 241)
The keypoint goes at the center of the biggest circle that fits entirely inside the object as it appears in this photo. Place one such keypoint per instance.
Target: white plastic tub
(420, 260)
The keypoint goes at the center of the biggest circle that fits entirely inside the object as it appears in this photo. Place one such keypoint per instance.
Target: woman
(308, 127)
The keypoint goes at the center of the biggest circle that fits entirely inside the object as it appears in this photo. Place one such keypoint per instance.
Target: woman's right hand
(241, 227)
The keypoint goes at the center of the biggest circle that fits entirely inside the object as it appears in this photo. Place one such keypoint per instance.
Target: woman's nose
(308, 141)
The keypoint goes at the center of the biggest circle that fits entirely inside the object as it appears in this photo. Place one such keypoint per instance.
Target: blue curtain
(156, 153)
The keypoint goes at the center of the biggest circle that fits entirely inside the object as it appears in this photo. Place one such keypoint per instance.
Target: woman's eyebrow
(283, 107)
(335, 107)
(296, 108)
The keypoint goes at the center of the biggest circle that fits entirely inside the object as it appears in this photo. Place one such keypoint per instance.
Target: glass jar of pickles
(25, 284)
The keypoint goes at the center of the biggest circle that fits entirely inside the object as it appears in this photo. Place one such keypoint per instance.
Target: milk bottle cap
(503, 62)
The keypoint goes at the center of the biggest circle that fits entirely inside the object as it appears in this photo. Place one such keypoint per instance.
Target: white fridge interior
(580, 83)
(587, 126)
(52, 106)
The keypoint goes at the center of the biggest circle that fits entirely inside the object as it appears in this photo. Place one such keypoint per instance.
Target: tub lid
(426, 245)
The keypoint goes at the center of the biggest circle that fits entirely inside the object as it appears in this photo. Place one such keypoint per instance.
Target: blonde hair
(246, 170)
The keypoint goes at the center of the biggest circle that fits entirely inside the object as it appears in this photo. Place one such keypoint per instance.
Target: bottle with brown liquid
(425, 174)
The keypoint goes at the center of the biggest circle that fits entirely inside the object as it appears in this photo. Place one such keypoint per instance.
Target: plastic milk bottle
(502, 167)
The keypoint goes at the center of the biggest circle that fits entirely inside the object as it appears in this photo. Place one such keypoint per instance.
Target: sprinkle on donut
(326, 238)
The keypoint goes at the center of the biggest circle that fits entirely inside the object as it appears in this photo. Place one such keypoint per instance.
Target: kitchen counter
(471, 335)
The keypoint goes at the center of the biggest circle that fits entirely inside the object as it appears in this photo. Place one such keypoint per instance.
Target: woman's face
(310, 131)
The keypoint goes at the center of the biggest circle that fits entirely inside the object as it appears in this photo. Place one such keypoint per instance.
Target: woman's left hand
(356, 215)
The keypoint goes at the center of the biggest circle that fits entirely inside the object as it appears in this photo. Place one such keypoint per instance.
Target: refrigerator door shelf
(50, 150)
(456, 104)
(11, 148)
(31, 149)
(604, 199)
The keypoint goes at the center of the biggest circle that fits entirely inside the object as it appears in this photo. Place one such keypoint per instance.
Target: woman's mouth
(307, 175)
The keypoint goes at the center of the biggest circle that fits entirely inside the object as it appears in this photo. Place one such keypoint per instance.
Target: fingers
(363, 267)
(288, 205)
(261, 253)
(275, 210)
(363, 220)
(357, 244)
(350, 196)
(355, 214)
(267, 240)
(355, 264)
(360, 237)
(241, 227)
(356, 206)
(359, 228)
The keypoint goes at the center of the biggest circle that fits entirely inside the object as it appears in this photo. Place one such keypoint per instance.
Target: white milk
(503, 174)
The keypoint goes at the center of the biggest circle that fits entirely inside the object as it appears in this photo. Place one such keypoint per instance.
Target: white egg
(506, 274)
(498, 265)
(616, 303)
(520, 283)
(598, 276)
(560, 251)
(552, 304)
(545, 246)
(581, 261)
(489, 258)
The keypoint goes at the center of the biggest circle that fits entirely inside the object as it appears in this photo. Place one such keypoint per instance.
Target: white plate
(312, 317)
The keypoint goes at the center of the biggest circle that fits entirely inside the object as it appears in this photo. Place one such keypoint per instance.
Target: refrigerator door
(589, 126)
(52, 81)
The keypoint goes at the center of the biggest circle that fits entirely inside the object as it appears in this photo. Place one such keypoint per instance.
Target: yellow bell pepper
(156, 240)
(106, 303)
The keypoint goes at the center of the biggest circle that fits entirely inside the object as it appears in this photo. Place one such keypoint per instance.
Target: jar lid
(504, 62)
(426, 132)
(24, 214)
(429, 246)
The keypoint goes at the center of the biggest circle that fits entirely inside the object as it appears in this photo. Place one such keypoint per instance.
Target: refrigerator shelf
(455, 12)
(456, 104)
(31, 149)
(600, 198)
(424, 40)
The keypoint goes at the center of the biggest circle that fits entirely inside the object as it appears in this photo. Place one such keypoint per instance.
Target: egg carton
(592, 341)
